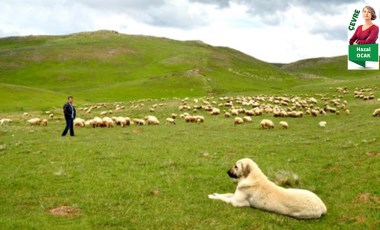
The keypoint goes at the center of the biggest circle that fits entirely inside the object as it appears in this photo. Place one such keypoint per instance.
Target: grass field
(158, 177)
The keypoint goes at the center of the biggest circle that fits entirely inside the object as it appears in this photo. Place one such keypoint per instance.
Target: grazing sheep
(234, 112)
(79, 122)
(35, 121)
(227, 114)
(152, 120)
(199, 119)
(376, 113)
(44, 122)
(97, 122)
(137, 121)
(247, 119)
(122, 121)
(238, 121)
(215, 111)
(107, 122)
(170, 120)
(267, 124)
(322, 124)
(5, 121)
(284, 124)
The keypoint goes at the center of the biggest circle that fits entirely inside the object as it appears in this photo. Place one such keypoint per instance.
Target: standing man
(70, 113)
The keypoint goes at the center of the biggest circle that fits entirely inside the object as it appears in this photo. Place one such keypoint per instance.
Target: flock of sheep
(242, 108)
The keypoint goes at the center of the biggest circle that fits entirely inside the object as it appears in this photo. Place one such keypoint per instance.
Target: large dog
(255, 190)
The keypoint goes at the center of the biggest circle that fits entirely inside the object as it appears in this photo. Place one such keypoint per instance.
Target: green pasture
(158, 177)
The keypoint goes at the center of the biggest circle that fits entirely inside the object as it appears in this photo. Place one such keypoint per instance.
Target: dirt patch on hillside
(65, 211)
(367, 198)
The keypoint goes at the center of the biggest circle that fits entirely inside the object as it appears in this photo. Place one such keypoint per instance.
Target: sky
(276, 31)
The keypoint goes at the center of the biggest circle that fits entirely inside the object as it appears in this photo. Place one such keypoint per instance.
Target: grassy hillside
(334, 67)
(107, 66)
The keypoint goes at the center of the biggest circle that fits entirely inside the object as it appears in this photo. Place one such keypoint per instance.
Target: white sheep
(44, 122)
(238, 121)
(199, 119)
(138, 121)
(322, 124)
(107, 122)
(97, 122)
(376, 113)
(267, 124)
(170, 120)
(35, 121)
(79, 122)
(5, 121)
(122, 121)
(215, 111)
(284, 124)
(247, 119)
(152, 120)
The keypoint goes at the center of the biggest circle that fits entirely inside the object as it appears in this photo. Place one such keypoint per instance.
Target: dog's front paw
(213, 196)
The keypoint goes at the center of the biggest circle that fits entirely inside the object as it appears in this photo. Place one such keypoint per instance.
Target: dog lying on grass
(255, 190)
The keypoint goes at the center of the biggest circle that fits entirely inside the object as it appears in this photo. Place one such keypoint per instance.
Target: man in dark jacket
(70, 113)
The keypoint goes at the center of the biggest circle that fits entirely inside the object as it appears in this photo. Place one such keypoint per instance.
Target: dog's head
(241, 169)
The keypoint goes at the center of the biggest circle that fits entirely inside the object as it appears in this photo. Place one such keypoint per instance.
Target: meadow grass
(158, 177)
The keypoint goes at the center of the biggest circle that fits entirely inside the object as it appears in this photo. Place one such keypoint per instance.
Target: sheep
(137, 121)
(170, 120)
(189, 118)
(267, 124)
(199, 119)
(215, 111)
(238, 121)
(234, 112)
(247, 119)
(5, 121)
(35, 121)
(79, 122)
(194, 119)
(97, 122)
(376, 113)
(107, 122)
(152, 120)
(44, 122)
(284, 124)
(322, 124)
(122, 121)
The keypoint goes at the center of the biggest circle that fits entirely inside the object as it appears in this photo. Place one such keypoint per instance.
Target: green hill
(108, 66)
(324, 73)
(105, 66)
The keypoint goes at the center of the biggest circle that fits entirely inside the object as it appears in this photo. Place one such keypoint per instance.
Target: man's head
(70, 99)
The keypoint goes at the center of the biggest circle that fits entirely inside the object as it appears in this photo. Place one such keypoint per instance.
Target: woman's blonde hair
(372, 11)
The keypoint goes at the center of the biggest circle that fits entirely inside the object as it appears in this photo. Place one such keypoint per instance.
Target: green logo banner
(359, 54)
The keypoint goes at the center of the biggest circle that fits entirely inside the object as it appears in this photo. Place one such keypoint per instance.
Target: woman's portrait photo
(368, 32)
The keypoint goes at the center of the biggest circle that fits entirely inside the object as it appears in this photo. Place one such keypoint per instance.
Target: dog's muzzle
(232, 174)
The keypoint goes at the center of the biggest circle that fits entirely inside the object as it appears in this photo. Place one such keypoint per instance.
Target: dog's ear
(246, 169)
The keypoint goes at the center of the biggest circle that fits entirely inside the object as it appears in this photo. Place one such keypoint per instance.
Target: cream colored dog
(254, 189)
